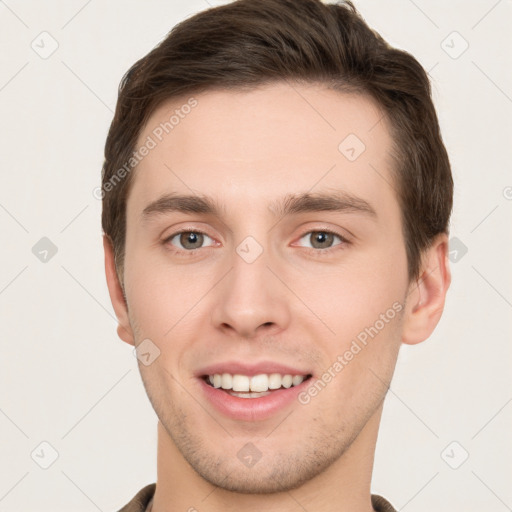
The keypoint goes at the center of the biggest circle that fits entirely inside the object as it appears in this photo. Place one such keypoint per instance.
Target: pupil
(191, 238)
(322, 237)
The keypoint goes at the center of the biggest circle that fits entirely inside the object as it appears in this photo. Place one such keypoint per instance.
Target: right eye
(189, 240)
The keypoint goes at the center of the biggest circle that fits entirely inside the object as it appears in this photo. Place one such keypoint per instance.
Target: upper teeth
(261, 382)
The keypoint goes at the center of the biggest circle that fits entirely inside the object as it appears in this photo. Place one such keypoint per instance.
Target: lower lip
(252, 409)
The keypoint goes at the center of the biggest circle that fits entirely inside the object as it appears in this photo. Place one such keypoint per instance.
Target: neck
(342, 487)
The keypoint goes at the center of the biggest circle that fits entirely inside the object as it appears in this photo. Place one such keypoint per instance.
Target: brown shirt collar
(143, 499)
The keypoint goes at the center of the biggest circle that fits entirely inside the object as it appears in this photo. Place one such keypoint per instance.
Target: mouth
(249, 405)
(256, 386)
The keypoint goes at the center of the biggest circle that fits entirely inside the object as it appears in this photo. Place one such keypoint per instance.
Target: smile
(239, 401)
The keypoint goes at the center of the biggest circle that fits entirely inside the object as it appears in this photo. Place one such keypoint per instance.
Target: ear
(426, 295)
(124, 330)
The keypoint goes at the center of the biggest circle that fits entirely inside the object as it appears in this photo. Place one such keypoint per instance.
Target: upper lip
(241, 368)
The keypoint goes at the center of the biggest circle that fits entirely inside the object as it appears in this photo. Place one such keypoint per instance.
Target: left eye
(189, 240)
(322, 239)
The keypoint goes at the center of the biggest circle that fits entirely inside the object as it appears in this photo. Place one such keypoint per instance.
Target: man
(276, 205)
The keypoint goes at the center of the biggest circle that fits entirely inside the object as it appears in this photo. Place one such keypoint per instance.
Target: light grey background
(65, 377)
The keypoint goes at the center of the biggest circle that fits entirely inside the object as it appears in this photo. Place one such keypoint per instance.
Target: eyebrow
(290, 204)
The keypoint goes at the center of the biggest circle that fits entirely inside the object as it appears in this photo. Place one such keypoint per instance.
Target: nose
(251, 301)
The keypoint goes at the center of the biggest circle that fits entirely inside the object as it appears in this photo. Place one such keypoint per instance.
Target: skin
(293, 304)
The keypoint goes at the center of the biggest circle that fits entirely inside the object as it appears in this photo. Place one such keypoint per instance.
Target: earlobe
(426, 296)
(124, 330)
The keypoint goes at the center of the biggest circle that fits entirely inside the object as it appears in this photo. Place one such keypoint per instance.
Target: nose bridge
(250, 272)
(250, 295)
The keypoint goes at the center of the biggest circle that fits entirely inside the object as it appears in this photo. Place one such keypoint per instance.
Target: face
(253, 281)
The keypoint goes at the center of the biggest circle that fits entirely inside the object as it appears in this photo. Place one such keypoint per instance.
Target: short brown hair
(248, 43)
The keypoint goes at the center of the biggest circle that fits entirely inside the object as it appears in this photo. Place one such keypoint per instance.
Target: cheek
(361, 357)
(150, 292)
(162, 297)
(362, 305)
(355, 296)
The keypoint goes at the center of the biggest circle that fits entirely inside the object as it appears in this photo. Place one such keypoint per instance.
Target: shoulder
(381, 504)
(140, 501)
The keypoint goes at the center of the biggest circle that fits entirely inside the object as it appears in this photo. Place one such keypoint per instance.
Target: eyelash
(319, 252)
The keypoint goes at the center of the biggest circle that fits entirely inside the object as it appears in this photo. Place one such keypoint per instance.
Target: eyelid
(344, 239)
(325, 230)
(167, 240)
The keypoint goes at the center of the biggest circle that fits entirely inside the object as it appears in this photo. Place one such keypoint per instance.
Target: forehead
(264, 143)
